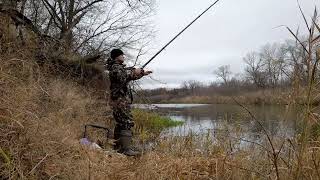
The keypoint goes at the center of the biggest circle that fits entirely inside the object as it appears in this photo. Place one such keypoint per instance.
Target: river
(277, 121)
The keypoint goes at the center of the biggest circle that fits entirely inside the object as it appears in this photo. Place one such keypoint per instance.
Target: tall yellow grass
(42, 117)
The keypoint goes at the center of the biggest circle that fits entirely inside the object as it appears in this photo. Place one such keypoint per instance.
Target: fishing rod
(179, 34)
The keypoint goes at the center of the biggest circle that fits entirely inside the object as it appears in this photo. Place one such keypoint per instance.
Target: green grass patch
(152, 123)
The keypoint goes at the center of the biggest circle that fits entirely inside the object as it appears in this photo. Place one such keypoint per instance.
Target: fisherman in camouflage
(121, 98)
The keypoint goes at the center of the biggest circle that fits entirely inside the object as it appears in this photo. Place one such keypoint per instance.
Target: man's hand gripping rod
(179, 34)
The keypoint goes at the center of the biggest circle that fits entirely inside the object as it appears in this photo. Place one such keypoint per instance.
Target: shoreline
(267, 100)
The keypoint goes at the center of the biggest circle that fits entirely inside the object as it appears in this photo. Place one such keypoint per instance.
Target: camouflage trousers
(122, 115)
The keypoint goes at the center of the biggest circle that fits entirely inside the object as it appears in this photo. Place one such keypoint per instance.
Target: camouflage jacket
(120, 76)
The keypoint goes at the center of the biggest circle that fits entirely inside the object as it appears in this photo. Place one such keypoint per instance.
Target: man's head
(117, 55)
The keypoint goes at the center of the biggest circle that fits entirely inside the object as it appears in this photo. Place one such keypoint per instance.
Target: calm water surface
(280, 121)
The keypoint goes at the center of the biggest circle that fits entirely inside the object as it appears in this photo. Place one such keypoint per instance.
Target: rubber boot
(126, 144)
(116, 137)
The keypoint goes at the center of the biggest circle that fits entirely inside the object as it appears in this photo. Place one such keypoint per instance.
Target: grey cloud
(223, 36)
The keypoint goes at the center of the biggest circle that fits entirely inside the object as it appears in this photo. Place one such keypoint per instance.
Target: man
(120, 76)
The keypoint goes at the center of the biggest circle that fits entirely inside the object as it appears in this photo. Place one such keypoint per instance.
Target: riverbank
(259, 97)
(42, 119)
(43, 112)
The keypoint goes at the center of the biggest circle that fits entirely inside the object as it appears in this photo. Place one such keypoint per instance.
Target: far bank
(255, 97)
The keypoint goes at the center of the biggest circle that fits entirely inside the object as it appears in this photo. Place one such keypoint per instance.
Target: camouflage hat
(115, 53)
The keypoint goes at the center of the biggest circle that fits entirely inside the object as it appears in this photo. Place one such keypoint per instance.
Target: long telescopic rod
(179, 33)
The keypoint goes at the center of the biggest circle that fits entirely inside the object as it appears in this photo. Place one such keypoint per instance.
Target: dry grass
(42, 118)
(268, 96)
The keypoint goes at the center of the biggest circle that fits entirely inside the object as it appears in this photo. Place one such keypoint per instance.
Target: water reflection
(279, 121)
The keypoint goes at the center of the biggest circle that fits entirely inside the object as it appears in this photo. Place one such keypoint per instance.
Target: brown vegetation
(42, 119)
(44, 106)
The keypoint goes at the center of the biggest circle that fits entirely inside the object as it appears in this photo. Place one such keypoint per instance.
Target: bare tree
(224, 73)
(254, 69)
(272, 56)
(295, 58)
(191, 86)
(91, 26)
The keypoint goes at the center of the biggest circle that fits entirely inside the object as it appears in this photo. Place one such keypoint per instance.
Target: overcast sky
(223, 36)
